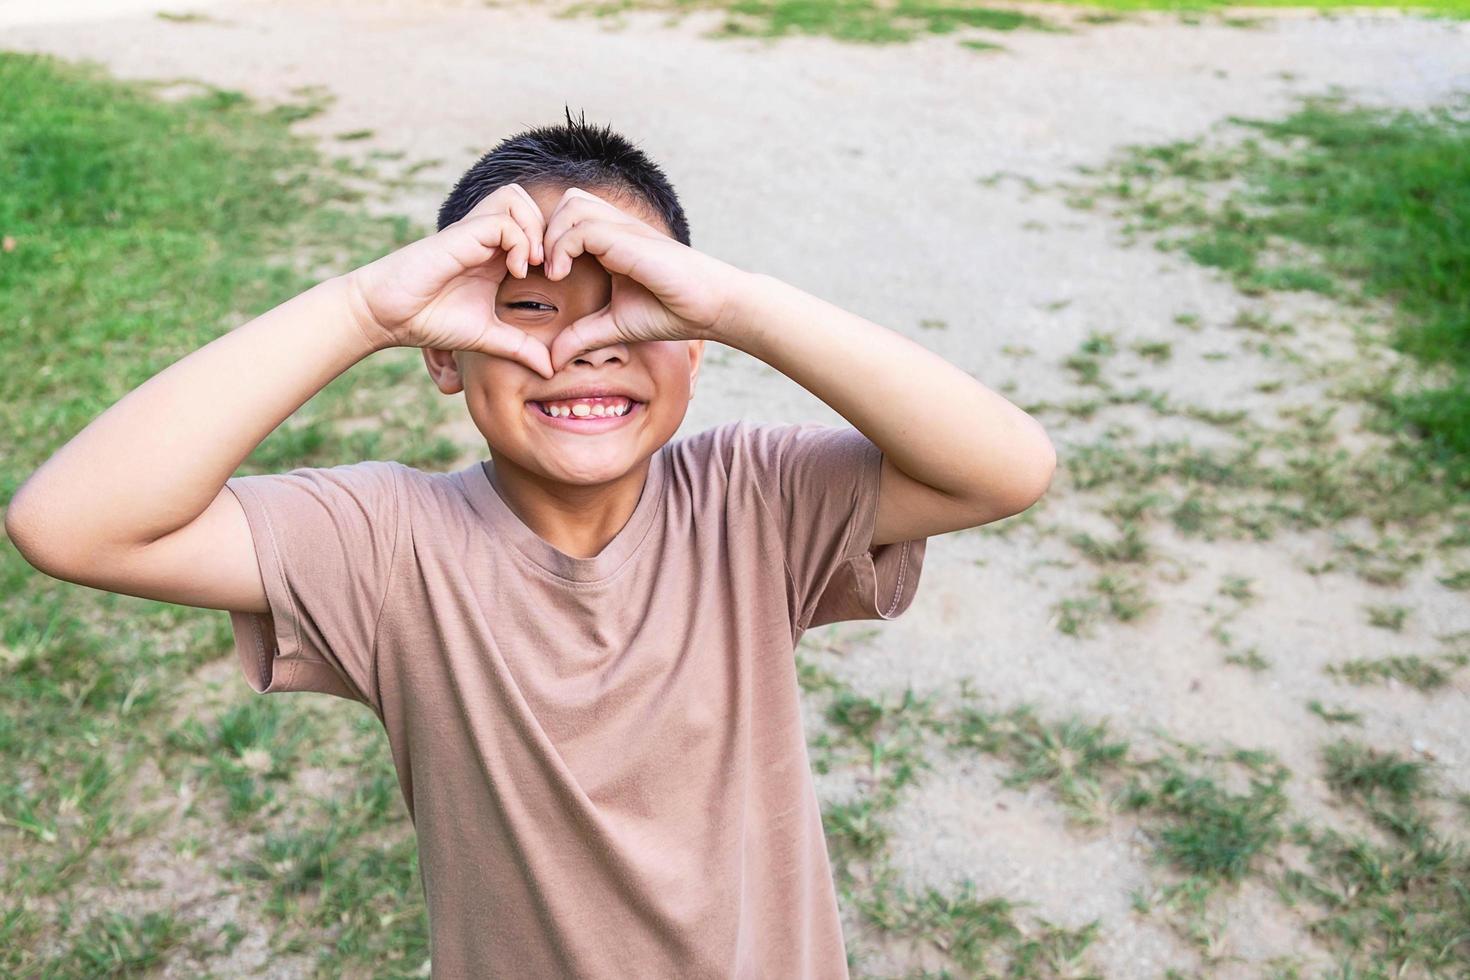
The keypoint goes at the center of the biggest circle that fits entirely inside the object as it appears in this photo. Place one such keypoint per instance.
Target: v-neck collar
(503, 521)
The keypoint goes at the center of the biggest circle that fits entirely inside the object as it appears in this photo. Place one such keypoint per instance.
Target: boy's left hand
(661, 288)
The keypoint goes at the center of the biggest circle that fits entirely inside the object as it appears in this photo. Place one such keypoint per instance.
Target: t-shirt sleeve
(325, 541)
(821, 485)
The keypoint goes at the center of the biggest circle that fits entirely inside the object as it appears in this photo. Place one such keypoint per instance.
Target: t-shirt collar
(501, 521)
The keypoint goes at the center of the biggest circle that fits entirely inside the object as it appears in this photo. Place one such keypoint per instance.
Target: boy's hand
(440, 290)
(661, 288)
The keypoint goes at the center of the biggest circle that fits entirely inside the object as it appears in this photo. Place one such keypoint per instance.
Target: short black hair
(573, 155)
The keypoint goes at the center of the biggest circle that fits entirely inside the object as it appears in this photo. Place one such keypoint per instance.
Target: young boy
(581, 649)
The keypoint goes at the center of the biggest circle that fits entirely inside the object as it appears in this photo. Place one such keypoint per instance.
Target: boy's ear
(444, 368)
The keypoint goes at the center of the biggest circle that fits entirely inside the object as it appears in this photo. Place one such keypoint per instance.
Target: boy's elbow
(1031, 482)
(21, 532)
(24, 529)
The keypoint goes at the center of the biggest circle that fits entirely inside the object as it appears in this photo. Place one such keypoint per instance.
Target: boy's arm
(955, 453)
(104, 510)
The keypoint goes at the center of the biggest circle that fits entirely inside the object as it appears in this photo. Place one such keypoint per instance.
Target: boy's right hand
(440, 291)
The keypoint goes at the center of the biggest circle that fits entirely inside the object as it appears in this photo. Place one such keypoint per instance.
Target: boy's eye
(529, 302)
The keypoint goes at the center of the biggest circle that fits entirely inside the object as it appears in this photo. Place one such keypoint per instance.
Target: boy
(582, 649)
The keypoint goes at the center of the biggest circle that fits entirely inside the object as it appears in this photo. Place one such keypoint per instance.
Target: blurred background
(1203, 711)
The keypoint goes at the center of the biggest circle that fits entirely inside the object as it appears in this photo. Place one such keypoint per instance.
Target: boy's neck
(579, 521)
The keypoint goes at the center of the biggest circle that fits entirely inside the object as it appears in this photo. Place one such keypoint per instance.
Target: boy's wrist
(742, 312)
(355, 304)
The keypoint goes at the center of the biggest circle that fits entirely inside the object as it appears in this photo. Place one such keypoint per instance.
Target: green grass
(1356, 203)
(1354, 769)
(135, 231)
(875, 22)
(855, 21)
(1423, 673)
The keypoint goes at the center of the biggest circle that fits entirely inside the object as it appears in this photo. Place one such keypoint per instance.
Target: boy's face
(499, 392)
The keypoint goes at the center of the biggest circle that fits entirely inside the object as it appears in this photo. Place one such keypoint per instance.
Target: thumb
(586, 333)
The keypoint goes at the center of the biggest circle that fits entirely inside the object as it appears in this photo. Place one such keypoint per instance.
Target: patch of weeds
(350, 870)
(1387, 617)
(1392, 907)
(355, 134)
(933, 324)
(982, 46)
(1250, 659)
(981, 936)
(1101, 344)
(251, 746)
(854, 828)
(889, 734)
(1087, 369)
(1232, 490)
(1205, 829)
(1334, 716)
(1071, 756)
(1157, 351)
(1117, 596)
(1239, 588)
(1420, 673)
(1129, 547)
(859, 21)
(314, 100)
(1355, 769)
(188, 17)
(117, 944)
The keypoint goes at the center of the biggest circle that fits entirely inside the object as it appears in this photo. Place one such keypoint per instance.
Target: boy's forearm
(155, 460)
(932, 420)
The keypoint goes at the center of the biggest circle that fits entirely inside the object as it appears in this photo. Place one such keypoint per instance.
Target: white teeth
(586, 410)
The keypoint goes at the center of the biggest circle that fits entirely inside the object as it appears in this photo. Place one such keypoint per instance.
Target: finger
(578, 205)
(516, 244)
(502, 340)
(474, 241)
(614, 243)
(512, 201)
(591, 332)
(534, 224)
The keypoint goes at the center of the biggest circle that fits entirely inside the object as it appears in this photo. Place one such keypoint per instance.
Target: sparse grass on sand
(876, 22)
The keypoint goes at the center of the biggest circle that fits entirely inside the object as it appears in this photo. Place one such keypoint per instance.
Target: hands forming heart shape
(440, 291)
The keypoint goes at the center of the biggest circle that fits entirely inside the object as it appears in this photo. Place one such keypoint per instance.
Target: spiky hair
(576, 154)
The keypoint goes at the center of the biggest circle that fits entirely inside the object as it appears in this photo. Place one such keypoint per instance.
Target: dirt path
(854, 172)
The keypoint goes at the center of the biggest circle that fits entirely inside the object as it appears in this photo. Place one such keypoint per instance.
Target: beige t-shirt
(603, 757)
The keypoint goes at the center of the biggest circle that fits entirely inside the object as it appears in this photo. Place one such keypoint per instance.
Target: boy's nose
(596, 358)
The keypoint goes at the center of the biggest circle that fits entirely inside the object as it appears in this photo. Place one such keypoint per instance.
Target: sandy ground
(852, 172)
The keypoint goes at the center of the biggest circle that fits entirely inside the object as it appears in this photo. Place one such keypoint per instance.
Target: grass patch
(1420, 673)
(1334, 716)
(1354, 769)
(1392, 907)
(856, 21)
(1072, 756)
(136, 231)
(1352, 202)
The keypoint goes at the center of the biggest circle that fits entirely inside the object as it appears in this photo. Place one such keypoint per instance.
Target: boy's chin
(575, 465)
